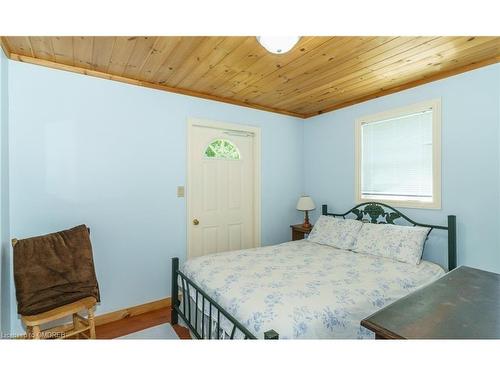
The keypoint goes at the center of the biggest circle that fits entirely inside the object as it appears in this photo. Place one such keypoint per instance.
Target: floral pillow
(402, 243)
(339, 233)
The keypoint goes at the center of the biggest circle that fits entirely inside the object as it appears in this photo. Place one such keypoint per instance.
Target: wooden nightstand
(298, 231)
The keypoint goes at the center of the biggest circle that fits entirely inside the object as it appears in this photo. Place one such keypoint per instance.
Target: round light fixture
(278, 44)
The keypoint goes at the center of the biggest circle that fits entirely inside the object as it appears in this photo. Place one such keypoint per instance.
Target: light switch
(180, 191)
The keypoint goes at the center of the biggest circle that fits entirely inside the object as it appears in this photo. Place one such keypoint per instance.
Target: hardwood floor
(136, 323)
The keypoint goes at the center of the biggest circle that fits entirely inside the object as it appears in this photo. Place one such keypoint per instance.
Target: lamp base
(306, 223)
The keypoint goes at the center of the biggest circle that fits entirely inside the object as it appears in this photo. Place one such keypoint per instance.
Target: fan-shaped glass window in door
(222, 149)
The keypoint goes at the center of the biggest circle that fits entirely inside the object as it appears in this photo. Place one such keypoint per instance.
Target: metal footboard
(204, 325)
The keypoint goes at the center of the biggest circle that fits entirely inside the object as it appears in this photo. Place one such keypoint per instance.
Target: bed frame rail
(195, 303)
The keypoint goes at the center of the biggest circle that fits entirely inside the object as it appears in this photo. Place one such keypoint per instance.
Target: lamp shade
(305, 203)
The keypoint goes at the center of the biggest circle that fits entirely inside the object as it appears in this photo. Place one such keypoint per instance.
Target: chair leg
(36, 332)
(29, 333)
(91, 322)
(76, 325)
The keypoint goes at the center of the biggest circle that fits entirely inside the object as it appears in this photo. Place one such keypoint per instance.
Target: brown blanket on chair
(54, 270)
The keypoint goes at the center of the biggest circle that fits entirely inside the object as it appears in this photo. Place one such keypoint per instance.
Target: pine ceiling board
(268, 64)
(367, 64)
(213, 58)
(327, 106)
(351, 66)
(253, 85)
(142, 48)
(177, 58)
(388, 60)
(20, 45)
(313, 59)
(42, 48)
(4, 46)
(193, 60)
(63, 49)
(237, 60)
(160, 52)
(428, 69)
(398, 80)
(416, 60)
(101, 52)
(297, 62)
(82, 51)
(334, 64)
(122, 50)
(438, 61)
(416, 64)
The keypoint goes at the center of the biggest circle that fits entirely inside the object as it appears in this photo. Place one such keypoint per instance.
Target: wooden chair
(80, 327)
(28, 279)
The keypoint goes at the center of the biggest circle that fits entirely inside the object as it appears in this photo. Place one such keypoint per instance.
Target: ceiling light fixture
(278, 44)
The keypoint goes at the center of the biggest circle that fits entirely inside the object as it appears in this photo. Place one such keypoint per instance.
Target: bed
(299, 289)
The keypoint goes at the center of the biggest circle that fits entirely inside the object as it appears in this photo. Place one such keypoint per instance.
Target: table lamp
(306, 204)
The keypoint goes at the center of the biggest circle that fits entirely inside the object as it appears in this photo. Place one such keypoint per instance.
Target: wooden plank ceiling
(319, 74)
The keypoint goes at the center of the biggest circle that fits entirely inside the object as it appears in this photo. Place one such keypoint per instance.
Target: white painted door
(220, 191)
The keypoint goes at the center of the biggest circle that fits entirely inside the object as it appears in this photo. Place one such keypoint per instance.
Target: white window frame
(436, 153)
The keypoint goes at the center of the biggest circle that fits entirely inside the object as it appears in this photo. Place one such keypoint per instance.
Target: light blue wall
(4, 198)
(470, 161)
(87, 150)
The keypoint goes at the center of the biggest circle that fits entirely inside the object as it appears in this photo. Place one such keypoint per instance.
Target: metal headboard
(380, 213)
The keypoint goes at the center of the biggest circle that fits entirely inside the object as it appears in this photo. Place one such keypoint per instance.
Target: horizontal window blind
(396, 157)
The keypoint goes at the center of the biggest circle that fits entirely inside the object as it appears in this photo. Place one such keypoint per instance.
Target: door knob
(196, 222)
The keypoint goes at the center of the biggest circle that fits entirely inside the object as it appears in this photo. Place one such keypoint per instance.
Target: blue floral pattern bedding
(398, 242)
(339, 233)
(302, 289)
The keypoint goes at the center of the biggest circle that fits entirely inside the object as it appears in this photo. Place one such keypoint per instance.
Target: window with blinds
(397, 156)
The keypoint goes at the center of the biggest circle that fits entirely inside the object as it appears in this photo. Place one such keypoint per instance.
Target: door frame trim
(257, 171)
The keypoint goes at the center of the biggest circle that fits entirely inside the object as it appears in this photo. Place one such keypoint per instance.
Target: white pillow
(402, 243)
(339, 233)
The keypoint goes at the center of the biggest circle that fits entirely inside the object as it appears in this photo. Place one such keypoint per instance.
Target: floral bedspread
(305, 290)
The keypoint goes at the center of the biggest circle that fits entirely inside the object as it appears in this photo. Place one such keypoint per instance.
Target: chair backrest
(53, 270)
